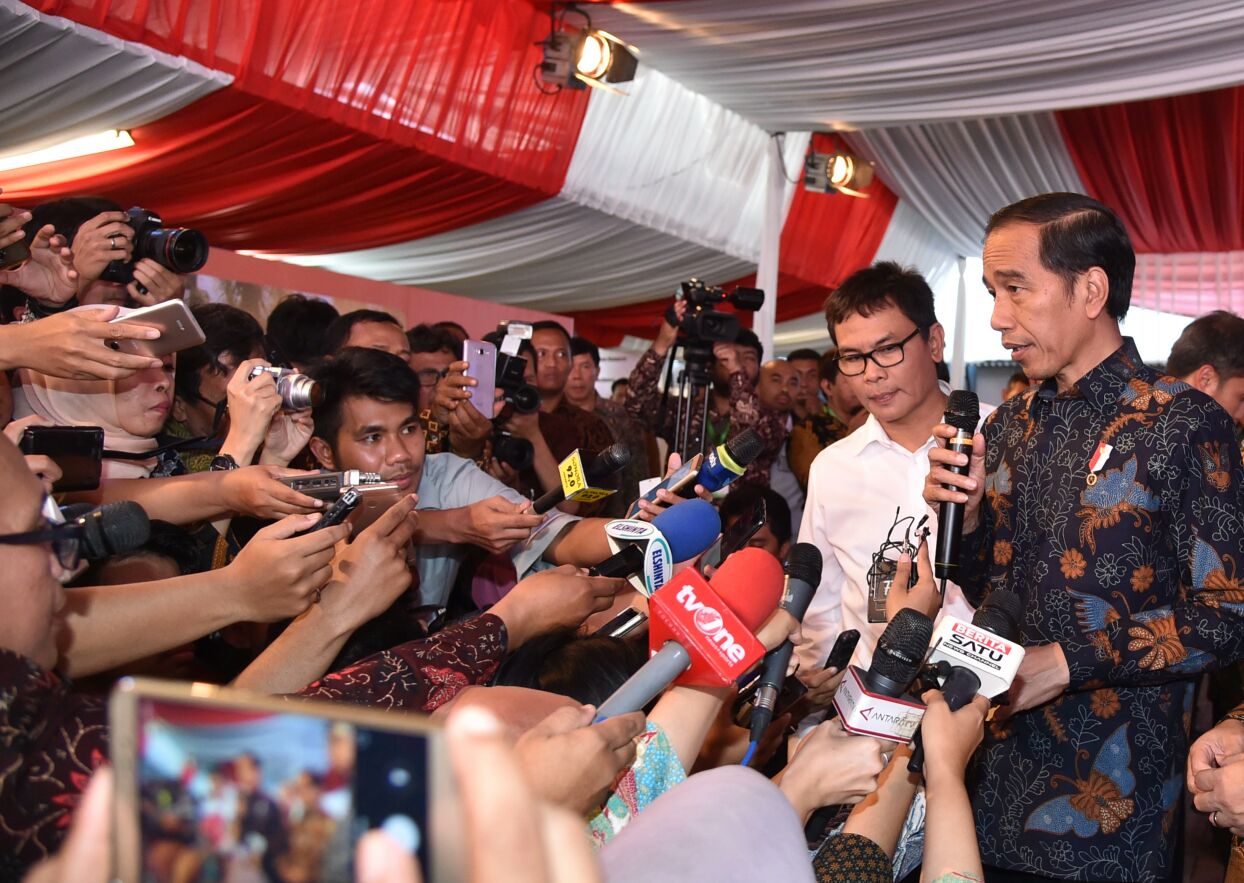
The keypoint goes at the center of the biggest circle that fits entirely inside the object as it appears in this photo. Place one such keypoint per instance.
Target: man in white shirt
(889, 343)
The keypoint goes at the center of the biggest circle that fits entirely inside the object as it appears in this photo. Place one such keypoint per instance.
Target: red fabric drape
(826, 237)
(452, 78)
(256, 175)
(1172, 167)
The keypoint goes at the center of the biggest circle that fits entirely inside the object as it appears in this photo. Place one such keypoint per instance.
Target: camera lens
(180, 249)
(299, 392)
(525, 399)
(517, 453)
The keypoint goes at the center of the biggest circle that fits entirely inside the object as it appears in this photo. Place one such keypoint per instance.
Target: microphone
(110, 529)
(703, 632)
(576, 480)
(725, 463)
(963, 412)
(684, 531)
(872, 703)
(803, 576)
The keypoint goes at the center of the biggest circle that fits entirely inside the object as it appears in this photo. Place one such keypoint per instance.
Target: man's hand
(832, 767)
(923, 596)
(647, 511)
(971, 486)
(72, 345)
(371, 571)
(524, 425)
(562, 597)
(1220, 792)
(1042, 677)
(49, 276)
(950, 737)
(1212, 749)
(277, 575)
(45, 469)
(822, 684)
(496, 524)
(469, 430)
(727, 356)
(255, 491)
(104, 238)
(668, 334)
(154, 283)
(252, 405)
(288, 434)
(569, 761)
(12, 219)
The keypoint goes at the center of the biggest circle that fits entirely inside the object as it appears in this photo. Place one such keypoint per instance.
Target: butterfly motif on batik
(1102, 802)
(1209, 571)
(1153, 631)
(1141, 395)
(1115, 494)
(1215, 464)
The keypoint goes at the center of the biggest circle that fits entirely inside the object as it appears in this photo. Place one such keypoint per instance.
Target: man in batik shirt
(1113, 508)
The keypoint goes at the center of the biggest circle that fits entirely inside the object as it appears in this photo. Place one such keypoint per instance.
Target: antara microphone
(702, 633)
(963, 412)
(872, 703)
(607, 462)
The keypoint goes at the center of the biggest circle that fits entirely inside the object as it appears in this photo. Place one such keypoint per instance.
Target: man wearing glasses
(889, 343)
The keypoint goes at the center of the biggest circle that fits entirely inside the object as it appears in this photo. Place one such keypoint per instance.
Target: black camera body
(179, 249)
(514, 389)
(703, 322)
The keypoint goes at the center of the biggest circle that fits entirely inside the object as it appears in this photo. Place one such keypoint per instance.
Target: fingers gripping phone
(240, 786)
(178, 329)
(481, 359)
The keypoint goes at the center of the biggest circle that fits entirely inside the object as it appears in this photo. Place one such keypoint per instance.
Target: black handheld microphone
(607, 462)
(803, 575)
(963, 412)
(110, 529)
(899, 654)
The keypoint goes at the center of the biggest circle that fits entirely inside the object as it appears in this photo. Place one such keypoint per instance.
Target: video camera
(702, 321)
(179, 249)
(516, 392)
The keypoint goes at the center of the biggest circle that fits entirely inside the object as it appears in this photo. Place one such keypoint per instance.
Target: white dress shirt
(854, 487)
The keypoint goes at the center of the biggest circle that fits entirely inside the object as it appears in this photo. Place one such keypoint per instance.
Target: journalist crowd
(819, 617)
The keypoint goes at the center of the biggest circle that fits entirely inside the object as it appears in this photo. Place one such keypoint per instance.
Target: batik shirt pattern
(1114, 510)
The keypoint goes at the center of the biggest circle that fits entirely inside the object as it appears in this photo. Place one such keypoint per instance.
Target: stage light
(587, 57)
(836, 173)
(100, 142)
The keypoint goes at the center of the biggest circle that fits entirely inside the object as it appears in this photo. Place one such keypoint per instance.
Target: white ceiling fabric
(795, 65)
(63, 80)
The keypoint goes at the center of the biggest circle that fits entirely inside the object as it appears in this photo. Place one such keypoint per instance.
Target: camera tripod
(694, 380)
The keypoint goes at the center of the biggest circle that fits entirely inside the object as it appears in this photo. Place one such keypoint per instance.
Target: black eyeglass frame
(66, 540)
(872, 354)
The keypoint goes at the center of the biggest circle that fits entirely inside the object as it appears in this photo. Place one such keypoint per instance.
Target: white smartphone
(178, 329)
(241, 786)
(481, 359)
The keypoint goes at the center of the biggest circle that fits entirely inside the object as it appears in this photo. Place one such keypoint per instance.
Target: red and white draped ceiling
(410, 142)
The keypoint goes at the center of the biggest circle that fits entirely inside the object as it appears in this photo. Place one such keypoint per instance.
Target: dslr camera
(179, 249)
(516, 392)
(298, 391)
(703, 322)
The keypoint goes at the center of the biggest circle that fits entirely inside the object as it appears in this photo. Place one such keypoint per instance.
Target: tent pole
(767, 269)
(958, 364)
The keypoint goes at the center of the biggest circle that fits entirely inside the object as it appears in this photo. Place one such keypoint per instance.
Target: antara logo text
(709, 621)
(872, 714)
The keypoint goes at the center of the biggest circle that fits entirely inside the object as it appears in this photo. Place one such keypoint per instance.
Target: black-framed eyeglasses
(853, 364)
(66, 540)
(431, 376)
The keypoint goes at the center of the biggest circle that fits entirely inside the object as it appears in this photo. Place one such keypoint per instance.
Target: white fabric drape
(958, 174)
(556, 255)
(791, 65)
(669, 159)
(62, 80)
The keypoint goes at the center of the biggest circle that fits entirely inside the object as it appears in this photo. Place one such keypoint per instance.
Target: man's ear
(937, 341)
(179, 409)
(323, 453)
(1096, 287)
(1205, 379)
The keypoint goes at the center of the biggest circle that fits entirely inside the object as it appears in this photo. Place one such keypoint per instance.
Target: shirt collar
(1103, 386)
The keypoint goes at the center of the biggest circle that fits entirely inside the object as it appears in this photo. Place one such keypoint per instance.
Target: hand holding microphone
(956, 480)
(578, 483)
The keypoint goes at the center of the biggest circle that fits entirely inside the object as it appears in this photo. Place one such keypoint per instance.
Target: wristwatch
(223, 463)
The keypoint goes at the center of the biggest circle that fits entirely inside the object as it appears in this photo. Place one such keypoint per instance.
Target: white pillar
(958, 365)
(770, 243)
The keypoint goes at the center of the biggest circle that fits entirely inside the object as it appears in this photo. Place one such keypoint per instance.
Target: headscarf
(85, 403)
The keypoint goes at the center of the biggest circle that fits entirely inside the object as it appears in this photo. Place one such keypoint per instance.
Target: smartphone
(328, 486)
(481, 359)
(737, 535)
(77, 450)
(683, 478)
(178, 329)
(374, 501)
(253, 787)
(623, 624)
(336, 513)
(843, 650)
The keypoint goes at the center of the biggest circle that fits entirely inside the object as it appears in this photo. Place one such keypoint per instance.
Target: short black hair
(587, 669)
(430, 339)
(1018, 377)
(68, 214)
(296, 327)
(748, 338)
(229, 331)
(581, 346)
(447, 325)
(829, 365)
(360, 371)
(339, 330)
(1077, 233)
(885, 283)
(1215, 339)
(550, 325)
(743, 497)
(621, 381)
(804, 354)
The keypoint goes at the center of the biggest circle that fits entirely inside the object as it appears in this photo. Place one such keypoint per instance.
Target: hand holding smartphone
(481, 359)
(178, 329)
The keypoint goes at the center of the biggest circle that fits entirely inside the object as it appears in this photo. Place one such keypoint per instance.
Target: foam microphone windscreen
(804, 562)
(902, 646)
(607, 462)
(750, 583)
(689, 528)
(745, 447)
(1000, 613)
(963, 410)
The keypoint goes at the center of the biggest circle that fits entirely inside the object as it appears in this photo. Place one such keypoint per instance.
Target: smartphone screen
(77, 450)
(481, 359)
(737, 534)
(241, 794)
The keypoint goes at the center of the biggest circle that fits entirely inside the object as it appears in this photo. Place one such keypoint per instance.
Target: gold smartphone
(178, 330)
(234, 785)
(375, 500)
